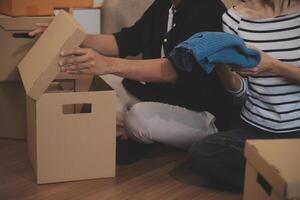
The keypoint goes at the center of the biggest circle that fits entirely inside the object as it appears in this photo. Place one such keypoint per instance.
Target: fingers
(83, 71)
(250, 46)
(45, 25)
(77, 67)
(253, 70)
(74, 51)
(41, 27)
(246, 71)
(36, 32)
(79, 61)
(73, 60)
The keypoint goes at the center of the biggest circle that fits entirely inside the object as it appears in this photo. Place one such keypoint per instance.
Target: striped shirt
(272, 102)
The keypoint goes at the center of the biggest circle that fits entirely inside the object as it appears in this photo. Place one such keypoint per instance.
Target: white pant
(124, 99)
(149, 122)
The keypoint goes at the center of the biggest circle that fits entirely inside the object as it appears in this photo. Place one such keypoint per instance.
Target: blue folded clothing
(209, 48)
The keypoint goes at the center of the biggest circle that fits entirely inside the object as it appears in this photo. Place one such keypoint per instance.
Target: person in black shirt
(201, 97)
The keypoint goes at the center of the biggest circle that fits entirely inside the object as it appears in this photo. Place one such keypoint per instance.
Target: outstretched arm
(88, 61)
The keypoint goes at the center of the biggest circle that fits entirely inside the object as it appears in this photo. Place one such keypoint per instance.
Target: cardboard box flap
(40, 66)
(21, 23)
(279, 163)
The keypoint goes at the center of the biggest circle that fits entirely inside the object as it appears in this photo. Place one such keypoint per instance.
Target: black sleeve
(206, 16)
(129, 39)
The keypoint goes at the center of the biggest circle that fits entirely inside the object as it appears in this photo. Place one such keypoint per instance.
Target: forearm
(151, 70)
(104, 44)
(230, 80)
(285, 70)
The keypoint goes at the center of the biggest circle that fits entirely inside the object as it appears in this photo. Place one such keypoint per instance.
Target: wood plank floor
(162, 175)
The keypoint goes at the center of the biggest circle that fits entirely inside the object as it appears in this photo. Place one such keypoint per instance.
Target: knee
(135, 123)
(133, 119)
(202, 155)
(218, 160)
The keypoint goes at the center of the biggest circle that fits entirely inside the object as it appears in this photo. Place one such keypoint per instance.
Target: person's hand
(40, 29)
(84, 61)
(265, 65)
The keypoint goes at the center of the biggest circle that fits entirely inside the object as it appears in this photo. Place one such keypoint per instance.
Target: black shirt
(196, 90)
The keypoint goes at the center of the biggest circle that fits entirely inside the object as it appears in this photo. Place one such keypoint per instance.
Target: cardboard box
(26, 7)
(273, 169)
(12, 110)
(73, 3)
(66, 146)
(13, 103)
(15, 43)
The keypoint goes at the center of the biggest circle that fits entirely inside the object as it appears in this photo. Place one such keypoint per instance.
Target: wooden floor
(162, 175)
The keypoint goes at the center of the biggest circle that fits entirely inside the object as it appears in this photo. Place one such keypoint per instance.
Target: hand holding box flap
(40, 66)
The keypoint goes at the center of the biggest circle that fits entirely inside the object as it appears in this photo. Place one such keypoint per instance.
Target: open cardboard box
(273, 169)
(15, 43)
(66, 144)
(13, 103)
(26, 7)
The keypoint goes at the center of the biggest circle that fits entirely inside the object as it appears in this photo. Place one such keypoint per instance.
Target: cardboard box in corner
(65, 144)
(273, 170)
(15, 43)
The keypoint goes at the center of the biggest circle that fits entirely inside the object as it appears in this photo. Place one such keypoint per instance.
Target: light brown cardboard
(64, 145)
(12, 110)
(278, 162)
(67, 147)
(26, 7)
(13, 49)
(73, 3)
(82, 83)
(13, 103)
(37, 74)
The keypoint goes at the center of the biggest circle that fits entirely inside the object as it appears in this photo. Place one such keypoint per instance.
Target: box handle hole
(22, 36)
(264, 184)
(77, 108)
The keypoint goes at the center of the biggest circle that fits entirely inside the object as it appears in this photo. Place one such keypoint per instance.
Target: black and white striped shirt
(272, 102)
